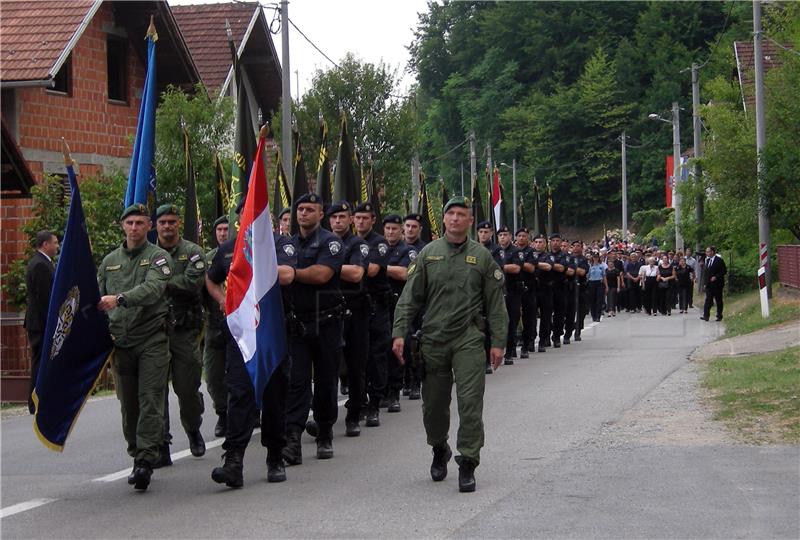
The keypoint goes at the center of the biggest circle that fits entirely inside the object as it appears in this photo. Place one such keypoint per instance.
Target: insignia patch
(199, 265)
(182, 257)
(382, 249)
(502, 254)
(289, 250)
(66, 314)
(165, 270)
(144, 262)
(411, 268)
(412, 254)
(364, 250)
(498, 275)
(334, 247)
(471, 259)
(434, 258)
(160, 262)
(113, 267)
(194, 257)
(521, 256)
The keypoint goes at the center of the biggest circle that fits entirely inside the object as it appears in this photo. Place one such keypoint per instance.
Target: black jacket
(39, 281)
(716, 269)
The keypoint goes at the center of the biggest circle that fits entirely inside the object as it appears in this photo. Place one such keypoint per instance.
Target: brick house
(72, 69)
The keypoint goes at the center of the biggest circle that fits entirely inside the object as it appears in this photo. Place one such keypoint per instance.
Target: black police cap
(540, 236)
(309, 198)
(555, 235)
(393, 218)
(521, 230)
(503, 229)
(339, 206)
(365, 207)
(415, 217)
(284, 211)
(220, 220)
(484, 225)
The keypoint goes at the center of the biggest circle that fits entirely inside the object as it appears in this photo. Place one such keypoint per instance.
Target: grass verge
(743, 313)
(758, 396)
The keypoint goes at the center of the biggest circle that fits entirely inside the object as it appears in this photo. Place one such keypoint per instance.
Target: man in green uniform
(186, 309)
(457, 282)
(133, 279)
(214, 341)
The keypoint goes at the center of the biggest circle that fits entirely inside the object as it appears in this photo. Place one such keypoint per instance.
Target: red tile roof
(745, 64)
(31, 48)
(203, 29)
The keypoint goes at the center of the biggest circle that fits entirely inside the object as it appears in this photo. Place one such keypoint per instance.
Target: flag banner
(244, 144)
(345, 187)
(282, 185)
(375, 199)
(192, 226)
(77, 342)
(428, 214)
(142, 176)
(300, 187)
(444, 202)
(323, 168)
(536, 224)
(363, 192)
(253, 299)
(668, 184)
(477, 207)
(521, 213)
(551, 228)
(497, 200)
(221, 197)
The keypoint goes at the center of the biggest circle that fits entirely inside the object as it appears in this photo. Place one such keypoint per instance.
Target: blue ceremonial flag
(142, 176)
(77, 342)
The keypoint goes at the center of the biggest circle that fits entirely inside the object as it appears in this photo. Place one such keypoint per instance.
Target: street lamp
(676, 174)
(513, 168)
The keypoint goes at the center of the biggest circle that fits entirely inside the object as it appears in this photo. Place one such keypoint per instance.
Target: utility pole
(761, 141)
(514, 189)
(676, 157)
(698, 153)
(286, 97)
(473, 162)
(415, 183)
(624, 188)
(462, 179)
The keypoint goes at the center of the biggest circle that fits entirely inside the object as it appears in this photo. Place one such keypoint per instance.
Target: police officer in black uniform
(581, 266)
(357, 312)
(315, 330)
(399, 257)
(380, 294)
(241, 410)
(412, 228)
(544, 289)
(571, 291)
(510, 260)
(528, 293)
(559, 292)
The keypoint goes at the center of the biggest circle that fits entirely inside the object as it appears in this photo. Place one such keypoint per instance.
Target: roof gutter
(43, 83)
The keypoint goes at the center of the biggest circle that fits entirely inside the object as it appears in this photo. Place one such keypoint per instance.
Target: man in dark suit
(39, 281)
(714, 279)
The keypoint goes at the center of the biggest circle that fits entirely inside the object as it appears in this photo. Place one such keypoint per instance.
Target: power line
(785, 48)
(719, 38)
(328, 58)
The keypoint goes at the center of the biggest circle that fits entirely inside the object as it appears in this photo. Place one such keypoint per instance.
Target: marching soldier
(186, 309)
(133, 279)
(456, 281)
(399, 257)
(581, 267)
(528, 293)
(510, 259)
(544, 290)
(559, 276)
(316, 334)
(214, 341)
(380, 293)
(356, 340)
(412, 227)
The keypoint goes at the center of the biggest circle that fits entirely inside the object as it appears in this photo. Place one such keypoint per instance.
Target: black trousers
(355, 353)
(35, 340)
(242, 412)
(596, 295)
(713, 296)
(559, 310)
(572, 309)
(683, 296)
(544, 301)
(583, 306)
(649, 296)
(378, 360)
(514, 309)
(315, 351)
(529, 312)
(664, 298)
(634, 295)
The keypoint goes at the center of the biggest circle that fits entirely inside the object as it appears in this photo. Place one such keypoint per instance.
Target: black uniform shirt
(529, 277)
(415, 247)
(560, 257)
(356, 253)
(221, 263)
(378, 254)
(399, 255)
(545, 276)
(579, 261)
(320, 247)
(511, 255)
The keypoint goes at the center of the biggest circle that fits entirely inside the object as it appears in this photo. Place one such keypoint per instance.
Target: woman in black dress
(666, 275)
(614, 281)
(685, 278)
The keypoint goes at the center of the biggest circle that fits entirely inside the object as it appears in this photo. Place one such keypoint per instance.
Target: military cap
(521, 230)
(340, 206)
(364, 207)
(540, 235)
(456, 201)
(137, 209)
(577, 242)
(484, 225)
(555, 235)
(503, 229)
(165, 209)
(286, 210)
(220, 220)
(415, 217)
(393, 218)
(311, 198)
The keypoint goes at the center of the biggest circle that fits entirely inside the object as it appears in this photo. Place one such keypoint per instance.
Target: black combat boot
(344, 389)
(441, 455)
(373, 414)
(414, 393)
(292, 452)
(466, 474)
(508, 359)
(311, 428)
(556, 343)
(222, 423)
(577, 335)
(351, 427)
(230, 473)
(164, 458)
(566, 340)
(489, 369)
(325, 442)
(140, 475)
(197, 446)
(523, 353)
(276, 472)
(394, 401)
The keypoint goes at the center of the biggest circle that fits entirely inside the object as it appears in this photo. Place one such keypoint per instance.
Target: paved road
(552, 467)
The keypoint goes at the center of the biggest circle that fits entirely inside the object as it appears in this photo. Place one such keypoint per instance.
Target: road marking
(23, 507)
(113, 477)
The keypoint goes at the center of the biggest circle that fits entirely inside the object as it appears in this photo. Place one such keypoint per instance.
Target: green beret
(167, 209)
(137, 209)
(220, 220)
(456, 201)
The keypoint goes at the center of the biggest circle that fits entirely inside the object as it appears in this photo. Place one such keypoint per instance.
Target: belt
(321, 315)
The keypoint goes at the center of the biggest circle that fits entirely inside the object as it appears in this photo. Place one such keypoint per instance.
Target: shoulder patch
(334, 247)
(199, 265)
(498, 275)
(165, 270)
(194, 257)
(411, 268)
(434, 258)
(412, 254)
(288, 249)
(113, 267)
(382, 249)
(364, 250)
(472, 259)
(160, 262)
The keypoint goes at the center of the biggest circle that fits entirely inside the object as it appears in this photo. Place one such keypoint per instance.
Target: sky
(375, 30)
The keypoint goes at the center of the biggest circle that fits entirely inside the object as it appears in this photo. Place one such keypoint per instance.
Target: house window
(116, 56)
(62, 82)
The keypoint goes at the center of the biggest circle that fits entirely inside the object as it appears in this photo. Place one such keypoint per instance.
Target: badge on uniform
(113, 267)
(498, 275)
(333, 247)
(289, 250)
(382, 249)
(364, 250)
(165, 270)
(471, 259)
(199, 265)
(412, 254)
